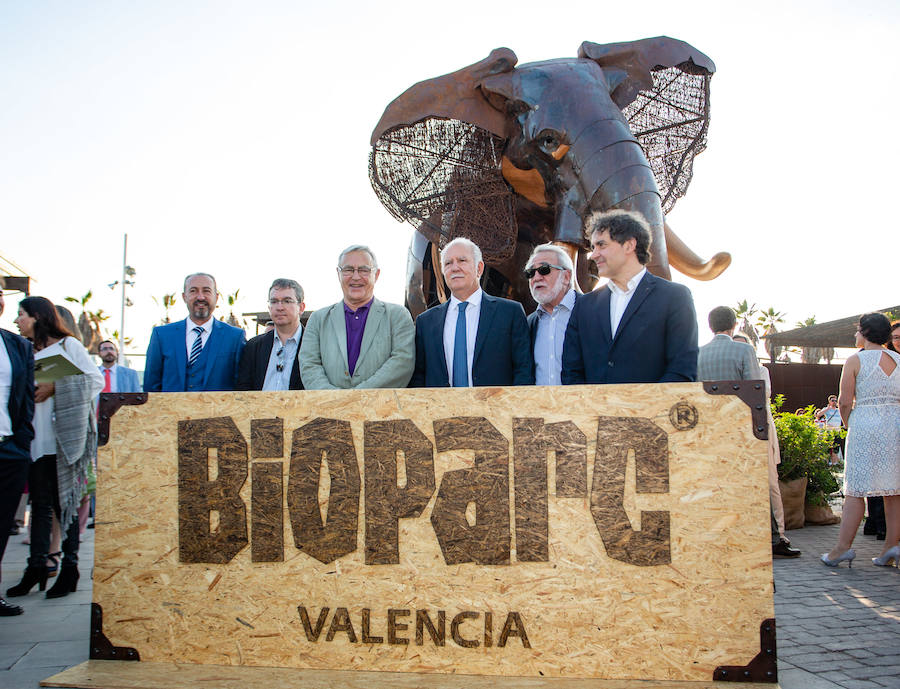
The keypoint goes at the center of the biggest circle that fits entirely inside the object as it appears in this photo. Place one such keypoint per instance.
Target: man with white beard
(549, 274)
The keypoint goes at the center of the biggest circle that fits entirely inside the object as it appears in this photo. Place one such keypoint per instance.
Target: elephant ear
(436, 159)
(662, 86)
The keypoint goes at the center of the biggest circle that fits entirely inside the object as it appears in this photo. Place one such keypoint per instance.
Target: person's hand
(44, 391)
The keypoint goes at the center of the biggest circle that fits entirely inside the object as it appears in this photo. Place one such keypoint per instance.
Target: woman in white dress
(64, 440)
(872, 378)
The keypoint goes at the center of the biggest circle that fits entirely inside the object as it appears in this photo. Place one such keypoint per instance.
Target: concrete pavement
(837, 628)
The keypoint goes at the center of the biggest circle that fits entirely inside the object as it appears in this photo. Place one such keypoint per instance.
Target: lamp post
(127, 272)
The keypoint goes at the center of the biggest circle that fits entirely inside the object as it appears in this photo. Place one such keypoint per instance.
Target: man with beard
(549, 274)
(115, 378)
(199, 353)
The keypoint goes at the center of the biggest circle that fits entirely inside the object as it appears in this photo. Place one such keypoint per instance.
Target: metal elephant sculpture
(516, 156)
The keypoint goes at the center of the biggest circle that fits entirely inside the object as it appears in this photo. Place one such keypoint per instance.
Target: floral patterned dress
(873, 441)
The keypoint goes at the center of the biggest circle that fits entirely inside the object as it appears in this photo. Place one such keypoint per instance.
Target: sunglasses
(543, 269)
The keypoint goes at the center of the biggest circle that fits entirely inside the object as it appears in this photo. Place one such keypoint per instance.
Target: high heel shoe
(33, 575)
(889, 559)
(847, 555)
(53, 570)
(65, 582)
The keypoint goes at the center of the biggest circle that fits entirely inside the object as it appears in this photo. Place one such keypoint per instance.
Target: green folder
(52, 368)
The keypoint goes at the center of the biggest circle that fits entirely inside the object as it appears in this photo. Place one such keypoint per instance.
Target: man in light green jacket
(360, 342)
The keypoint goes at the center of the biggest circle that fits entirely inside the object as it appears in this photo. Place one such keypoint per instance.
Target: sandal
(53, 564)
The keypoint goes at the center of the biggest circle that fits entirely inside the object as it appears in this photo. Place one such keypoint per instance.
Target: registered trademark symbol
(684, 416)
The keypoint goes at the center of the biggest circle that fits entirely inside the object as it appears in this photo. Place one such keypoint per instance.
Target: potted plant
(805, 476)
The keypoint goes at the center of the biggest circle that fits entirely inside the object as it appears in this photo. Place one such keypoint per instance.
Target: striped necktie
(196, 347)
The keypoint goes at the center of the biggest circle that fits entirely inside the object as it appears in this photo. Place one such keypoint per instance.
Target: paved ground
(837, 629)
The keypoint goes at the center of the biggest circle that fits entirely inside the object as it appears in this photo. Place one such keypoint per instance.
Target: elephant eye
(549, 141)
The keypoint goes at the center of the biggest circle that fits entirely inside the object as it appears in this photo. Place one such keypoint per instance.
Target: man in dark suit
(16, 432)
(267, 367)
(639, 328)
(473, 339)
(549, 274)
(196, 354)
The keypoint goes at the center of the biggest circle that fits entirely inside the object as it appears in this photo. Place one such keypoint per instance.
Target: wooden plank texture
(613, 532)
(116, 674)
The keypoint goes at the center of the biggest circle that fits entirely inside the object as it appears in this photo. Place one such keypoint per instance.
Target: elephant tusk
(685, 261)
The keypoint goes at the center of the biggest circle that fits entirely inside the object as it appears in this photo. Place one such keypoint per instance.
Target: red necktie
(106, 386)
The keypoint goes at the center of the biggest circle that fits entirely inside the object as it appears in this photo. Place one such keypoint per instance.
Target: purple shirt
(356, 324)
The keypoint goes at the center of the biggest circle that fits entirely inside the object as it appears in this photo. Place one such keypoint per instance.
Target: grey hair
(287, 283)
(463, 241)
(561, 256)
(199, 275)
(358, 247)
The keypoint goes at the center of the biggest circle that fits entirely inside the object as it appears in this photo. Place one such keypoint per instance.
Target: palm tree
(743, 312)
(232, 301)
(89, 322)
(168, 301)
(768, 320)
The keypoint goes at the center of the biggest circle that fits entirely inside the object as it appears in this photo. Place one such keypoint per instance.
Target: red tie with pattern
(106, 385)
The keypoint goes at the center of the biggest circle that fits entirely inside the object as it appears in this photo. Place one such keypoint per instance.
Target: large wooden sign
(614, 532)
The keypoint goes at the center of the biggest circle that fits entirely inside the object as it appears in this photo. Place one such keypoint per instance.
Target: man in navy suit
(639, 328)
(199, 353)
(549, 274)
(473, 339)
(115, 378)
(16, 432)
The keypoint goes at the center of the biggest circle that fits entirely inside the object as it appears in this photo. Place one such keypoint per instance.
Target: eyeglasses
(287, 301)
(543, 269)
(280, 365)
(347, 271)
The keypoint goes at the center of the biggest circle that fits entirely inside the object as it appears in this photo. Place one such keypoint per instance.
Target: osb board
(682, 603)
(117, 674)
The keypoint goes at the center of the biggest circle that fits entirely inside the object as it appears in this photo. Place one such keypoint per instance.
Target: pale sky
(232, 138)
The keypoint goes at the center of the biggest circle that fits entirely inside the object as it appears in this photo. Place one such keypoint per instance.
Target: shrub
(805, 451)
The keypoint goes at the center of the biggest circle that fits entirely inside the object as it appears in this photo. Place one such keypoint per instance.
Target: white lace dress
(873, 441)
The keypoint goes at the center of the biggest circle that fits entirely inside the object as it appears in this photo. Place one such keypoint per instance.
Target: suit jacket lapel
(377, 314)
(488, 309)
(262, 357)
(17, 369)
(438, 335)
(641, 292)
(603, 300)
(212, 344)
(338, 326)
(180, 332)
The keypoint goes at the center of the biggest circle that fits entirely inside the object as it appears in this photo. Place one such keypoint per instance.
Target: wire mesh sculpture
(515, 156)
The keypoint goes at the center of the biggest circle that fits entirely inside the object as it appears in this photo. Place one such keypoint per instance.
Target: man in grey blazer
(360, 342)
(116, 378)
(722, 358)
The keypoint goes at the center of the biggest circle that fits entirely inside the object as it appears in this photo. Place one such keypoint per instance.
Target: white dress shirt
(281, 380)
(5, 388)
(473, 313)
(549, 338)
(190, 335)
(620, 298)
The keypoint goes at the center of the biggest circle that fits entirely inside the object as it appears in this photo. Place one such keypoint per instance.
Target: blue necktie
(460, 351)
(196, 347)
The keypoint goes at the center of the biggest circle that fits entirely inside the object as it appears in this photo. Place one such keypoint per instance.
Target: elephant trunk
(606, 169)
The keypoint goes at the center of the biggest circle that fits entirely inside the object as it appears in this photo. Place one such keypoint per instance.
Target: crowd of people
(639, 328)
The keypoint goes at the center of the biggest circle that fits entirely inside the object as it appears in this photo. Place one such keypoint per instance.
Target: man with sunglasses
(360, 342)
(549, 274)
(269, 361)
